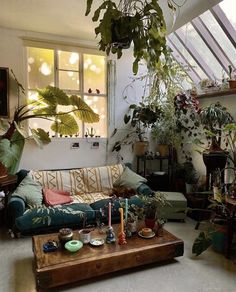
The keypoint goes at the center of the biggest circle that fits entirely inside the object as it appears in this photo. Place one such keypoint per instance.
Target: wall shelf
(218, 93)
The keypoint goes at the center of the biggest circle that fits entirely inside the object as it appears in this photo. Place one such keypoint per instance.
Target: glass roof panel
(194, 38)
(229, 8)
(187, 56)
(219, 35)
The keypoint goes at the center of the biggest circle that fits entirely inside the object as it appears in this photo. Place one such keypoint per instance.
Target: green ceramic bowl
(73, 245)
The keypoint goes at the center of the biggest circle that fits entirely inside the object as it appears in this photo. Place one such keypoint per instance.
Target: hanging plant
(132, 21)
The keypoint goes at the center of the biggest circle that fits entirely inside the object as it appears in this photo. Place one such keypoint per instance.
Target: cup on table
(85, 235)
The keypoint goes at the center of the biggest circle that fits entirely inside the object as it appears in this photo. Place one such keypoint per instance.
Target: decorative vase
(133, 226)
(65, 235)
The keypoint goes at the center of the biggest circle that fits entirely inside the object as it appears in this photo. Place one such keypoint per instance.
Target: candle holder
(110, 235)
(122, 238)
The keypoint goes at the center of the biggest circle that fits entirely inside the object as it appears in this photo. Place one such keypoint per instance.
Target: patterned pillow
(90, 198)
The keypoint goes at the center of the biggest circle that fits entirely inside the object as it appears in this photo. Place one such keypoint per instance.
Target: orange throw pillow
(56, 197)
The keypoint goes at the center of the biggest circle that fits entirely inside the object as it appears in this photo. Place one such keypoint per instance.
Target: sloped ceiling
(66, 17)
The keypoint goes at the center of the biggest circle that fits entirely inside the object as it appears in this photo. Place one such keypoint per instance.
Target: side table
(6, 185)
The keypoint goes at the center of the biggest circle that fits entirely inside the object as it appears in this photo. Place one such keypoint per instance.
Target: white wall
(58, 154)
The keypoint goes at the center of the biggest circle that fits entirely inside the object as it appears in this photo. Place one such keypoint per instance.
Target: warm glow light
(95, 98)
(95, 110)
(102, 117)
(29, 68)
(74, 57)
(89, 61)
(30, 60)
(33, 95)
(86, 66)
(35, 125)
(45, 69)
(98, 70)
(77, 81)
(89, 102)
(70, 74)
(93, 68)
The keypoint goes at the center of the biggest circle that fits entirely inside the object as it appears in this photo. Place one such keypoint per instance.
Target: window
(74, 72)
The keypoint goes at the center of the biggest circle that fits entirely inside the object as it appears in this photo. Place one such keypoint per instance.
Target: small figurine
(110, 235)
(122, 238)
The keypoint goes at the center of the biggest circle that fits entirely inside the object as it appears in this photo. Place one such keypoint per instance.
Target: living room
(64, 27)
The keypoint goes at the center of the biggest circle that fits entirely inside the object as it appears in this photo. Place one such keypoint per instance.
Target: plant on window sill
(15, 132)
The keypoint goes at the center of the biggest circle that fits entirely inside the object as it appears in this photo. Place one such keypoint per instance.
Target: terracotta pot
(3, 171)
(140, 148)
(150, 222)
(232, 83)
(163, 149)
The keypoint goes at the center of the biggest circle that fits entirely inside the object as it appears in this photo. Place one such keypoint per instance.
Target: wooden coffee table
(63, 267)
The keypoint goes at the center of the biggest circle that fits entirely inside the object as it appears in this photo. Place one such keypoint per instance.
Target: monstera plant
(47, 106)
(132, 21)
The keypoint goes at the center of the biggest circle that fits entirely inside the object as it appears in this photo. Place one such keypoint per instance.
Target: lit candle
(109, 214)
(126, 210)
(121, 220)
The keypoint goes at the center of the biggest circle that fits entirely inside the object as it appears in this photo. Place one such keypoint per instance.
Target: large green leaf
(53, 96)
(84, 112)
(201, 243)
(65, 125)
(40, 137)
(88, 9)
(10, 151)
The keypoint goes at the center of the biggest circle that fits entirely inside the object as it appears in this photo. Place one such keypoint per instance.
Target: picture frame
(4, 92)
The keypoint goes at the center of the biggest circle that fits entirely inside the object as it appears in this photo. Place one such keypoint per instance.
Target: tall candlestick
(126, 210)
(109, 214)
(121, 220)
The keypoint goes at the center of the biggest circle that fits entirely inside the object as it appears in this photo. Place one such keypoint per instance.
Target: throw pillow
(56, 197)
(30, 191)
(129, 179)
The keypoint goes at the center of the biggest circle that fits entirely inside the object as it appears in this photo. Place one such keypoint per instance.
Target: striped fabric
(86, 185)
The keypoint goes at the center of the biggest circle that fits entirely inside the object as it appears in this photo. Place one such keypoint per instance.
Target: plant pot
(212, 161)
(163, 149)
(121, 33)
(150, 222)
(140, 148)
(232, 84)
(219, 236)
(3, 171)
(133, 226)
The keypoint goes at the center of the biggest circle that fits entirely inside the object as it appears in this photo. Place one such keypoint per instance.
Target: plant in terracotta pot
(140, 117)
(232, 77)
(151, 204)
(132, 21)
(15, 132)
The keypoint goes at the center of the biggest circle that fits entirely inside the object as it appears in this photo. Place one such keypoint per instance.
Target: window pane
(187, 56)
(94, 73)
(193, 37)
(229, 8)
(40, 68)
(68, 60)
(99, 106)
(69, 80)
(219, 35)
(39, 123)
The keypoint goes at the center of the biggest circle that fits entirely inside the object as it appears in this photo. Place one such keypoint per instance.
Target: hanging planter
(140, 22)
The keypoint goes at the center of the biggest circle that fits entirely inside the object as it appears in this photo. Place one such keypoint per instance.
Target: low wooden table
(63, 267)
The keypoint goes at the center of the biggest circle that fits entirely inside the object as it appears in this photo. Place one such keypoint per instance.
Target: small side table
(6, 185)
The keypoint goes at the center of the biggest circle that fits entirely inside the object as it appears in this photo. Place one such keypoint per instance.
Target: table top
(8, 180)
(89, 253)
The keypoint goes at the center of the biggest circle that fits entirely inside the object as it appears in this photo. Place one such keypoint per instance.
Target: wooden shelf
(218, 93)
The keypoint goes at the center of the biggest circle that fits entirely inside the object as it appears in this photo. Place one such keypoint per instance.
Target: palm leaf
(83, 111)
(65, 125)
(40, 137)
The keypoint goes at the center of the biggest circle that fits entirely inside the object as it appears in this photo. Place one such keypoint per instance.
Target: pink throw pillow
(56, 197)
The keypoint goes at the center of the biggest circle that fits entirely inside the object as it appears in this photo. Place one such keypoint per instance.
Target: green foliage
(201, 243)
(140, 22)
(48, 106)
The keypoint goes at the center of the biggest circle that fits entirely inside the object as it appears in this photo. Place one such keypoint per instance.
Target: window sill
(218, 93)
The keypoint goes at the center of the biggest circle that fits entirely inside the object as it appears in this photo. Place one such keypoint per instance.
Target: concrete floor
(210, 272)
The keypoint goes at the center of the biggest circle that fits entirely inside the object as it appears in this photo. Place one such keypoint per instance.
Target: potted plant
(132, 21)
(15, 132)
(190, 176)
(140, 117)
(232, 79)
(151, 205)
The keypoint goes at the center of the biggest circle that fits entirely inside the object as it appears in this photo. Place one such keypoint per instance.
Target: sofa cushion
(101, 179)
(66, 215)
(30, 191)
(129, 179)
(56, 197)
(90, 198)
